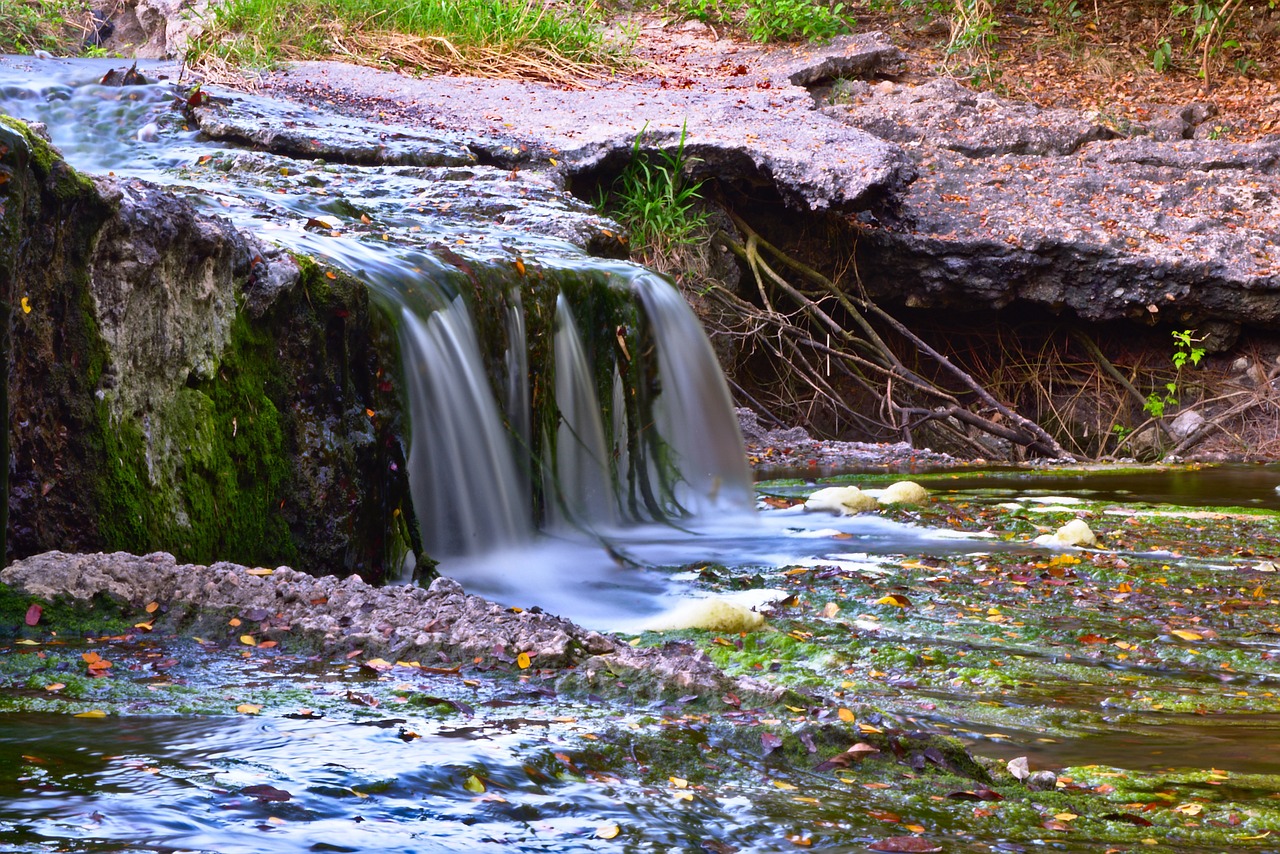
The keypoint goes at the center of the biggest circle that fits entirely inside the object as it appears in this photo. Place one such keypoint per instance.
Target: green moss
(63, 617)
(218, 497)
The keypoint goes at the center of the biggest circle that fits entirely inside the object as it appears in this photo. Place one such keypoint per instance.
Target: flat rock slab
(748, 122)
(436, 624)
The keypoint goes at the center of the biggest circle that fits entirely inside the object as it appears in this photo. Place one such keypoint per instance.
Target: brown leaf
(1127, 817)
(266, 793)
(905, 843)
(769, 742)
(33, 615)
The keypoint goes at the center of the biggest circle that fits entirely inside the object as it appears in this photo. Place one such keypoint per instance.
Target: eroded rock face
(157, 29)
(177, 384)
(1015, 205)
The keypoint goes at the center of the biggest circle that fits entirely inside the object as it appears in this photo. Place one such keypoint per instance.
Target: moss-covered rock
(177, 385)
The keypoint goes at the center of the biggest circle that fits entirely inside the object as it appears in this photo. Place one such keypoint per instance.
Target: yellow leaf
(248, 709)
(868, 729)
(786, 787)
(1189, 809)
(54, 686)
(845, 715)
(259, 571)
(1186, 635)
(152, 607)
(248, 640)
(830, 610)
(474, 784)
(522, 660)
(26, 642)
(274, 819)
(26, 306)
(914, 828)
(92, 713)
(1066, 816)
(607, 831)
(679, 782)
(897, 600)
(683, 796)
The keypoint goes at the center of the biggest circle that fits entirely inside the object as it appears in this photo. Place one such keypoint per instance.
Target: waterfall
(583, 486)
(546, 390)
(589, 405)
(462, 476)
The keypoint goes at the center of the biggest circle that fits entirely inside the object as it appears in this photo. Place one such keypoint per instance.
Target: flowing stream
(642, 470)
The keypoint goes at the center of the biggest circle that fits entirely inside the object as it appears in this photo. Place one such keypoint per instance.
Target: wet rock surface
(746, 124)
(1056, 208)
(438, 624)
(967, 200)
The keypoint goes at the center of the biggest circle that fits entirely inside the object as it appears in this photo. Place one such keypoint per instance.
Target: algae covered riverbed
(1140, 675)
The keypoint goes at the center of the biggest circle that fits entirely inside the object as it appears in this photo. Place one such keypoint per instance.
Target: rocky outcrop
(437, 625)
(176, 384)
(1020, 206)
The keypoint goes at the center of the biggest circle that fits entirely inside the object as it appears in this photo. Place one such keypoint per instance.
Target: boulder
(844, 500)
(1074, 533)
(904, 492)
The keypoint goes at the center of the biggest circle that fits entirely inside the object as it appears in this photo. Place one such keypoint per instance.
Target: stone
(844, 500)
(904, 492)
(1074, 533)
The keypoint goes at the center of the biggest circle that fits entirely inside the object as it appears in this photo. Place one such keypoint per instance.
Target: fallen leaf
(607, 831)
(152, 607)
(770, 742)
(1186, 635)
(845, 715)
(92, 713)
(474, 784)
(1137, 820)
(266, 793)
(522, 661)
(897, 600)
(1189, 809)
(1018, 768)
(248, 709)
(33, 615)
(248, 640)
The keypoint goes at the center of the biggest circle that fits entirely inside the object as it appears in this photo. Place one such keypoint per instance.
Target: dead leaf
(266, 793)
(33, 615)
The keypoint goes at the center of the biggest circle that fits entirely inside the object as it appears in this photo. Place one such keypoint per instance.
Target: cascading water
(547, 390)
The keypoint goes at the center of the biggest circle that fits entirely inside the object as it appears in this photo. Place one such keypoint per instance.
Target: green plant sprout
(1184, 351)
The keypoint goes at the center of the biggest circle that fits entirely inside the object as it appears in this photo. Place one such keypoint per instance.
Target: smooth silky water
(356, 781)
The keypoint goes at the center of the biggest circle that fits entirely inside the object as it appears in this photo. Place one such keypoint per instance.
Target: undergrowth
(52, 25)
(489, 37)
(655, 200)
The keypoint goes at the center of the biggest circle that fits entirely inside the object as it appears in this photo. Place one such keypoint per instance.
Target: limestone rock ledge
(176, 384)
(436, 626)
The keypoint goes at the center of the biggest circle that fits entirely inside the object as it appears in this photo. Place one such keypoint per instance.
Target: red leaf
(33, 614)
(770, 742)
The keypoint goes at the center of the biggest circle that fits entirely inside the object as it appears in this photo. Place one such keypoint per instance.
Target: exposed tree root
(831, 339)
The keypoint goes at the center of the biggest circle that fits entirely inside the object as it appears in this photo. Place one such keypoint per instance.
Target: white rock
(148, 132)
(905, 492)
(713, 615)
(847, 500)
(1074, 533)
